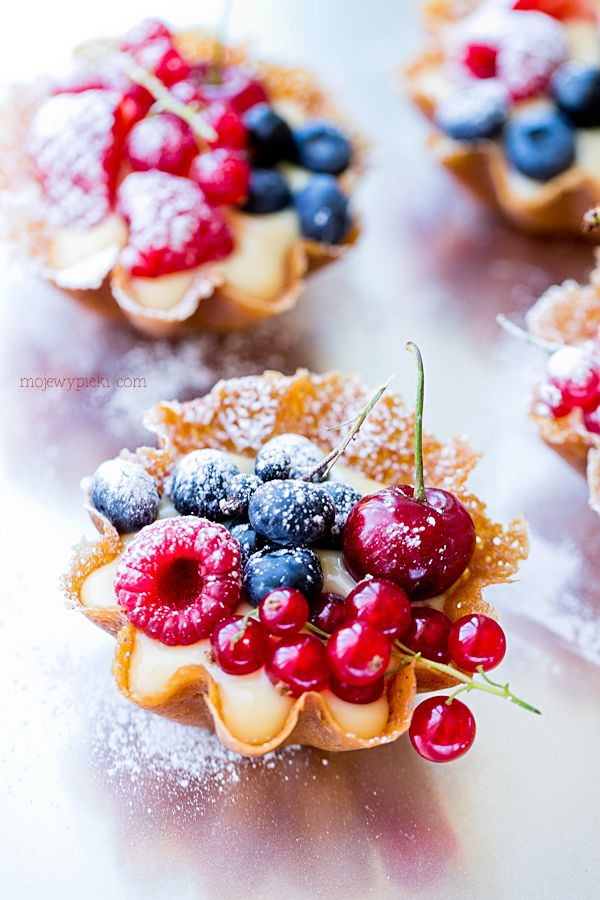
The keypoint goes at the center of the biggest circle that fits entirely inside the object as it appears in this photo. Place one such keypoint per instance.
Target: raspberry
(172, 227)
(179, 578)
(223, 175)
(530, 54)
(76, 144)
(162, 142)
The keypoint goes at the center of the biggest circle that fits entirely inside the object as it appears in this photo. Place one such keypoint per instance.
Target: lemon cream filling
(70, 246)
(361, 720)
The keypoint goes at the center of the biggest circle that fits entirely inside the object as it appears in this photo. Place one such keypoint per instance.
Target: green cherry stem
(419, 492)
(251, 614)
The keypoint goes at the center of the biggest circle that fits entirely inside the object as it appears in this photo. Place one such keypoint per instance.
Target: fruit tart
(273, 585)
(177, 183)
(512, 88)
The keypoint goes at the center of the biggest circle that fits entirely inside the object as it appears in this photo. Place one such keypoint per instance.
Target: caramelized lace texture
(210, 303)
(570, 314)
(553, 207)
(238, 416)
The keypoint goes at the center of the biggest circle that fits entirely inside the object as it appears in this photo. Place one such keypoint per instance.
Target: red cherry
(143, 32)
(244, 654)
(231, 131)
(134, 106)
(480, 59)
(327, 612)
(353, 693)
(575, 375)
(284, 611)
(299, 662)
(163, 59)
(474, 641)
(427, 634)
(163, 142)
(358, 653)
(591, 420)
(442, 731)
(382, 604)
(223, 176)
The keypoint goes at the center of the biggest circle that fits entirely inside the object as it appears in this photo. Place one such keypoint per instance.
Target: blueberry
(291, 512)
(250, 542)
(540, 143)
(240, 489)
(322, 147)
(125, 493)
(296, 567)
(576, 89)
(344, 497)
(272, 463)
(269, 136)
(323, 210)
(200, 481)
(267, 192)
(474, 112)
(303, 454)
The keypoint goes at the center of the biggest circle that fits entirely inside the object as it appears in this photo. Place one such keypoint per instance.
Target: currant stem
(419, 491)
(251, 614)
(328, 462)
(523, 335)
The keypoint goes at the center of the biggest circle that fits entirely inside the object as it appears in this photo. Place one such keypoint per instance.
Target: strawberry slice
(172, 227)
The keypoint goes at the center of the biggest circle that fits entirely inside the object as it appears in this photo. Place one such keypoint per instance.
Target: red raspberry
(231, 131)
(145, 31)
(76, 145)
(163, 59)
(223, 175)
(162, 142)
(529, 53)
(178, 578)
(172, 227)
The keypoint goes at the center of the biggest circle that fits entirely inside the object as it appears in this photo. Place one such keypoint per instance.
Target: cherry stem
(328, 462)
(216, 70)
(526, 336)
(419, 491)
(591, 220)
(251, 614)
(468, 682)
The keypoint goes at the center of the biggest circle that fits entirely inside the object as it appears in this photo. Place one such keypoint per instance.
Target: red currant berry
(474, 641)
(231, 131)
(442, 731)
(240, 655)
(480, 59)
(327, 612)
(134, 105)
(300, 663)
(284, 611)
(143, 32)
(591, 420)
(163, 142)
(575, 375)
(427, 634)
(237, 88)
(358, 653)
(223, 175)
(553, 401)
(380, 603)
(353, 693)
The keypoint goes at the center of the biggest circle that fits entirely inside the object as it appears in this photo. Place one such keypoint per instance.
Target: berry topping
(160, 57)
(297, 568)
(291, 512)
(283, 611)
(442, 730)
(231, 131)
(474, 112)
(171, 226)
(135, 104)
(240, 645)
(576, 90)
(552, 401)
(162, 142)
(143, 32)
(272, 464)
(75, 142)
(358, 653)
(269, 135)
(250, 542)
(327, 612)
(323, 210)
(353, 693)
(239, 490)
(427, 634)
(303, 454)
(474, 641)
(125, 493)
(201, 480)
(559, 9)
(532, 49)
(381, 604)
(539, 143)
(236, 88)
(480, 59)
(591, 420)
(268, 192)
(179, 577)
(321, 147)
(223, 175)
(576, 377)
(299, 664)
(345, 497)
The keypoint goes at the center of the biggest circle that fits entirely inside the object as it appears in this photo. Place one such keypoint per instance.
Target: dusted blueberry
(474, 112)
(344, 497)
(200, 481)
(302, 453)
(250, 542)
(240, 489)
(269, 135)
(540, 143)
(267, 192)
(323, 210)
(125, 493)
(272, 463)
(291, 512)
(297, 568)
(321, 147)
(576, 89)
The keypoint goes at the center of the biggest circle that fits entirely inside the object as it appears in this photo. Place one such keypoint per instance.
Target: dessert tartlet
(512, 89)
(176, 183)
(262, 589)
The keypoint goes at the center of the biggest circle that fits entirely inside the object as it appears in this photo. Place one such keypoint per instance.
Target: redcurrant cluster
(573, 382)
